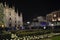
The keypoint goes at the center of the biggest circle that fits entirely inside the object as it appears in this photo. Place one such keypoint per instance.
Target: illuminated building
(10, 17)
(41, 18)
(54, 17)
(39, 21)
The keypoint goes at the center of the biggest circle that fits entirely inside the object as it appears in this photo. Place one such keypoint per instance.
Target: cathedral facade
(10, 17)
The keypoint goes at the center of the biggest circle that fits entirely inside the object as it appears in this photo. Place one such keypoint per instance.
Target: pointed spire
(5, 4)
(1, 4)
(17, 10)
(13, 7)
(20, 13)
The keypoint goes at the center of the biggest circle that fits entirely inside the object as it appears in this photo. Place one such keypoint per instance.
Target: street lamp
(52, 27)
(28, 22)
(44, 27)
(44, 30)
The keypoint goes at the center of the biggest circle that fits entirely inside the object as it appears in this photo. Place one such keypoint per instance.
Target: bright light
(54, 15)
(2, 25)
(28, 22)
(44, 27)
(52, 24)
(58, 19)
(54, 20)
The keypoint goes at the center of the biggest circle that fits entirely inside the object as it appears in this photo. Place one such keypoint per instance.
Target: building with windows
(10, 17)
(39, 21)
(54, 17)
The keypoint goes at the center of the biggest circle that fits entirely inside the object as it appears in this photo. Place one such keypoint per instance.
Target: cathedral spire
(17, 10)
(5, 4)
(13, 8)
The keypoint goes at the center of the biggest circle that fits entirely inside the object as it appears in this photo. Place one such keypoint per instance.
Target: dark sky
(31, 9)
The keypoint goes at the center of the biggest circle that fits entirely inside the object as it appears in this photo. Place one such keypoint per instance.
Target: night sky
(32, 9)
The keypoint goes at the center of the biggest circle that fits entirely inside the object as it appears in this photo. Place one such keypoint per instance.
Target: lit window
(54, 20)
(54, 15)
(58, 19)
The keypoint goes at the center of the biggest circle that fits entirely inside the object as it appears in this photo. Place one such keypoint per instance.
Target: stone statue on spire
(5, 4)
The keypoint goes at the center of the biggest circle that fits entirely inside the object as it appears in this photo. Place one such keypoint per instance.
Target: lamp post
(52, 27)
(28, 24)
(44, 30)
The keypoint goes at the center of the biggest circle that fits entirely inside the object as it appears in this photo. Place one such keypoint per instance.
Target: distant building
(39, 21)
(10, 17)
(54, 17)
(41, 18)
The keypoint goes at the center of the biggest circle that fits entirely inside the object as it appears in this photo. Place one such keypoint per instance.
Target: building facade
(54, 17)
(39, 22)
(11, 18)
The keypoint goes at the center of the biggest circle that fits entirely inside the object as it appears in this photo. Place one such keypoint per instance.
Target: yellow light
(54, 15)
(58, 19)
(54, 20)
(2, 25)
